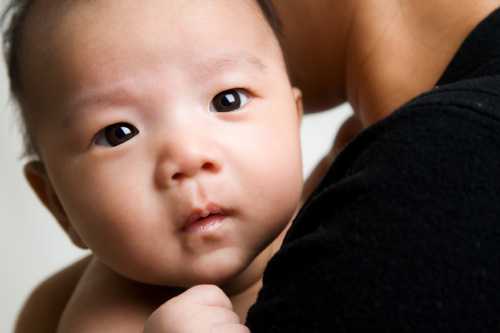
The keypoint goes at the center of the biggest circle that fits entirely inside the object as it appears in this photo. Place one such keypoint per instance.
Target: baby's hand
(203, 308)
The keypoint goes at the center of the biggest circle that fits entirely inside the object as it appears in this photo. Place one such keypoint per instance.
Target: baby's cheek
(99, 208)
(278, 184)
(120, 222)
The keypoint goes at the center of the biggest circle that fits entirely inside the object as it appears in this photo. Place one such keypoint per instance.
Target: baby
(166, 137)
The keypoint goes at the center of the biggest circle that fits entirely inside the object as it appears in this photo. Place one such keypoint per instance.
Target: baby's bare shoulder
(104, 301)
(43, 309)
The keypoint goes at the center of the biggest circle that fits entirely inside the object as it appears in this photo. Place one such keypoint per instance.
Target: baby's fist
(203, 308)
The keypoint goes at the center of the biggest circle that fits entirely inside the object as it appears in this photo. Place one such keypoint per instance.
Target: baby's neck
(244, 290)
(243, 301)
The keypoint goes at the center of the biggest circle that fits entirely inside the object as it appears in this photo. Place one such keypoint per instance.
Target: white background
(32, 246)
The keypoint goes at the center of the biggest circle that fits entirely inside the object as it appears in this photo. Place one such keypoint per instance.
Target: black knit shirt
(403, 233)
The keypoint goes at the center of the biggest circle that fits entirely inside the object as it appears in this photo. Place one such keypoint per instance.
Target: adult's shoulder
(43, 308)
(429, 145)
(402, 232)
(467, 110)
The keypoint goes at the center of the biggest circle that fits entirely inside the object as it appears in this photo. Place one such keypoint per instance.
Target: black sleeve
(403, 234)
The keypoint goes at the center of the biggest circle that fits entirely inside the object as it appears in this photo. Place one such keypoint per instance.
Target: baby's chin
(222, 269)
(226, 267)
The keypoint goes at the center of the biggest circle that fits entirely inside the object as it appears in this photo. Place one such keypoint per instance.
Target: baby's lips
(199, 213)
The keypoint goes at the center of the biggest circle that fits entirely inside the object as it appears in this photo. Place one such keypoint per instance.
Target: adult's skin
(374, 54)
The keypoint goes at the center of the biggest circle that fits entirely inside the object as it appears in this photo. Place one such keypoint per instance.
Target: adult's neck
(314, 41)
(375, 54)
(399, 49)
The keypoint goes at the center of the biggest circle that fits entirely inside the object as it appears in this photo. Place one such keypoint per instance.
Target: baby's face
(153, 114)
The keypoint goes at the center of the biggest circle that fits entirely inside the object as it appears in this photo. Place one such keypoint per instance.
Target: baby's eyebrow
(229, 61)
(124, 91)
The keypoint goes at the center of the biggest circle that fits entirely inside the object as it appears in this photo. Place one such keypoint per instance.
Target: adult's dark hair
(13, 20)
(271, 16)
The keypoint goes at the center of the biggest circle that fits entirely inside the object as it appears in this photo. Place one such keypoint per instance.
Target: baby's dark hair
(13, 20)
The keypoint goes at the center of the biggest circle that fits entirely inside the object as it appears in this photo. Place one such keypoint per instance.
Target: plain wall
(32, 246)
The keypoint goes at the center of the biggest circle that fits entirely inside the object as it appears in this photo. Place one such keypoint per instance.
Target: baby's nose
(185, 162)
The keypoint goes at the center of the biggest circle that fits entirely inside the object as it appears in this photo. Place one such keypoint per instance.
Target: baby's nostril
(209, 166)
(177, 176)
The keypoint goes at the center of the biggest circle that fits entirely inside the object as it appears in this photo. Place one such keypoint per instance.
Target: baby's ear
(297, 94)
(37, 177)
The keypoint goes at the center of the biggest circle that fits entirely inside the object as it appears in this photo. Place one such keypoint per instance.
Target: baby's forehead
(53, 21)
(79, 36)
(49, 14)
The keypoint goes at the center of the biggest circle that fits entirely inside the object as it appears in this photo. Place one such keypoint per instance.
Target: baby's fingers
(230, 328)
(198, 309)
(208, 295)
(201, 319)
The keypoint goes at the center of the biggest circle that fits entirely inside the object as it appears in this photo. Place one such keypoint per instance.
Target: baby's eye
(229, 100)
(115, 134)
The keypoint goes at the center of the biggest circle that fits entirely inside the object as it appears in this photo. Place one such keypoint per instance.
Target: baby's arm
(43, 308)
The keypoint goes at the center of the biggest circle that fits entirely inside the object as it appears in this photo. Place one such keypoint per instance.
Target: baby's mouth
(204, 219)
